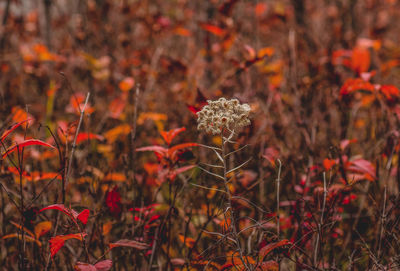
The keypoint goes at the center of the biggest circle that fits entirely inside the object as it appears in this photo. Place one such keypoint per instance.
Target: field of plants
(151, 135)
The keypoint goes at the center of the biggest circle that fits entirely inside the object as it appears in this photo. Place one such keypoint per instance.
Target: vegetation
(199, 135)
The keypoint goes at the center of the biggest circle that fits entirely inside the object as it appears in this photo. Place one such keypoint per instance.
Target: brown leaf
(129, 243)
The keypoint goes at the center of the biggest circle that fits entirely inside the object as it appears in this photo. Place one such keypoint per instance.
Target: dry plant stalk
(224, 118)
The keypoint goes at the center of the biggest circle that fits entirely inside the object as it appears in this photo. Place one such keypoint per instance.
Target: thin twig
(211, 173)
(278, 180)
(68, 171)
(241, 148)
(238, 167)
(383, 221)
(320, 223)
(208, 188)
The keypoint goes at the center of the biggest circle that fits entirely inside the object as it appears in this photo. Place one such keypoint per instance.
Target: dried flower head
(221, 114)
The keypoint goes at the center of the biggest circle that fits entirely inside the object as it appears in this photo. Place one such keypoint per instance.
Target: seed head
(221, 114)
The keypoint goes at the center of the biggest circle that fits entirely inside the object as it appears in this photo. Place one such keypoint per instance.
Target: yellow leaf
(266, 51)
(152, 116)
(19, 236)
(113, 134)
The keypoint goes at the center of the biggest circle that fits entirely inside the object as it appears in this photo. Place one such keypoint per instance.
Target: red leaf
(355, 84)
(268, 248)
(346, 142)
(390, 92)
(193, 109)
(103, 265)
(74, 215)
(12, 128)
(25, 143)
(129, 243)
(85, 136)
(158, 149)
(83, 216)
(363, 166)
(172, 174)
(57, 242)
(201, 101)
(100, 266)
(113, 201)
(271, 154)
(172, 151)
(171, 134)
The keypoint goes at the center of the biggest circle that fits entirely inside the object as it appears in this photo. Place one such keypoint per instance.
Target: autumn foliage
(102, 166)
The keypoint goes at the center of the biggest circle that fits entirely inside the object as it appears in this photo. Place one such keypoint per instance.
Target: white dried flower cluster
(223, 113)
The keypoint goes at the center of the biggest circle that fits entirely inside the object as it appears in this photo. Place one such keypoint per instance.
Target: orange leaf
(268, 248)
(86, 136)
(129, 243)
(107, 228)
(182, 31)
(23, 228)
(266, 51)
(328, 164)
(171, 134)
(77, 102)
(19, 236)
(116, 107)
(57, 242)
(42, 228)
(217, 31)
(20, 114)
(127, 84)
(25, 143)
(260, 9)
(115, 177)
(113, 134)
(151, 115)
(189, 242)
(269, 266)
(360, 59)
(37, 176)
